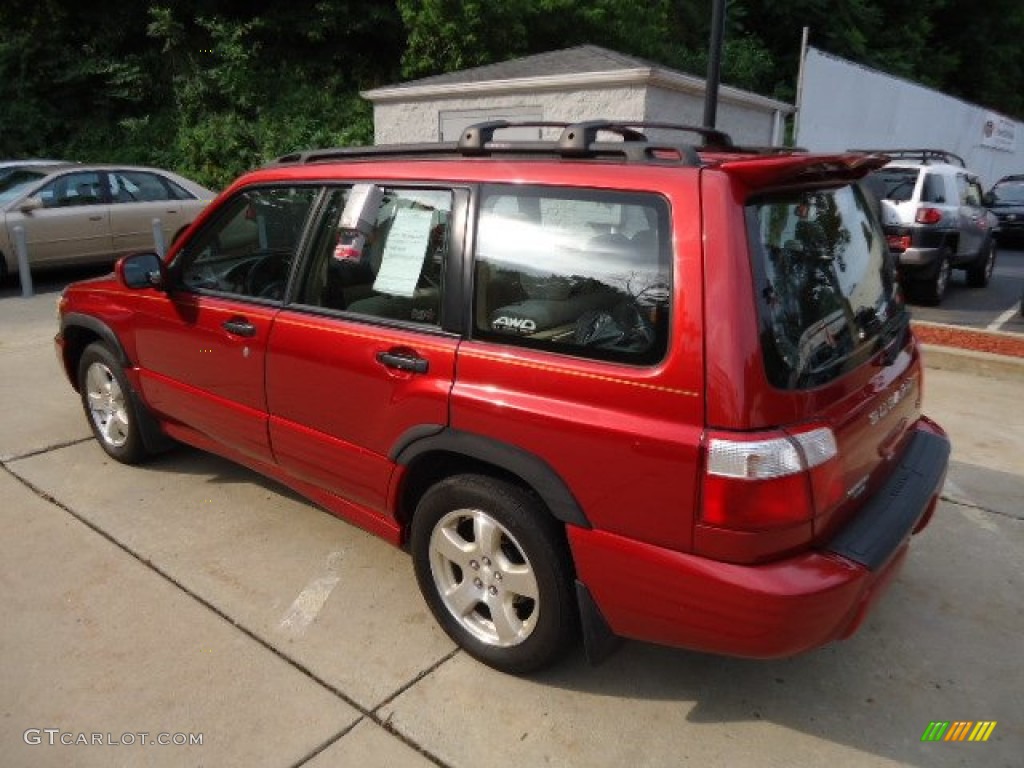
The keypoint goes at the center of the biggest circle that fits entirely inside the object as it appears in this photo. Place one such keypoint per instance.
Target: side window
(970, 192)
(974, 193)
(575, 271)
(142, 187)
(381, 252)
(84, 188)
(248, 248)
(932, 190)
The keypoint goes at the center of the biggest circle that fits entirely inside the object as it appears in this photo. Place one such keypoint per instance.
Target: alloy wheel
(484, 578)
(107, 405)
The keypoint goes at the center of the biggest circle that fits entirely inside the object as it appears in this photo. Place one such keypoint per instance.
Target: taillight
(928, 216)
(769, 480)
(898, 242)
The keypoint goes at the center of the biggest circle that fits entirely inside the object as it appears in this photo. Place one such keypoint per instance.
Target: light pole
(714, 63)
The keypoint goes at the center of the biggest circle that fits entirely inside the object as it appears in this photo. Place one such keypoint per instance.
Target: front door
(202, 347)
(73, 224)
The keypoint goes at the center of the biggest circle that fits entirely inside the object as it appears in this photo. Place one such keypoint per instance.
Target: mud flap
(599, 642)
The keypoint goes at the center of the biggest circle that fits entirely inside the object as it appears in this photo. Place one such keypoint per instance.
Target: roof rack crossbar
(712, 137)
(633, 151)
(922, 154)
(583, 133)
(474, 137)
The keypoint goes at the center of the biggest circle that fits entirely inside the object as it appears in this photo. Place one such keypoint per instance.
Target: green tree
(446, 35)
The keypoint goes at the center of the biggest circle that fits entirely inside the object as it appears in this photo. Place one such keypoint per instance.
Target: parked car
(84, 214)
(9, 167)
(934, 219)
(654, 390)
(1006, 201)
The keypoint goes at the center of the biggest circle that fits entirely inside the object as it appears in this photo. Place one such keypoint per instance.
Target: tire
(980, 272)
(933, 290)
(493, 567)
(109, 406)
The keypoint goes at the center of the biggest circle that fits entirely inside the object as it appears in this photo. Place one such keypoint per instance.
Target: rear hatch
(908, 199)
(840, 370)
(896, 188)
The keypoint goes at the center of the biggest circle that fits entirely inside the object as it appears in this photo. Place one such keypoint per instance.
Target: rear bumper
(921, 262)
(777, 609)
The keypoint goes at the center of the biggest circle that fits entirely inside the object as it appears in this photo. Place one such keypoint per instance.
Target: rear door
(973, 216)
(202, 346)
(140, 198)
(361, 357)
(575, 298)
(896, 188)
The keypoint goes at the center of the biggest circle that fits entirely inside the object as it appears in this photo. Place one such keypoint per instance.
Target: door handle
(403, 361)
(239, 326)
(95, 218)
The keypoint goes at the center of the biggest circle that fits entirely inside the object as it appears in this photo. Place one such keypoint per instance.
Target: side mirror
(988, 199)
(141, 270)
(30, 204)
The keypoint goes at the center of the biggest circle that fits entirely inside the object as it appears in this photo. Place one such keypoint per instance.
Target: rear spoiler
(798, 170)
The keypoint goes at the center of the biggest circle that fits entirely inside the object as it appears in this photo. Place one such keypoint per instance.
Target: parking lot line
(311, 600)
(1003, 319)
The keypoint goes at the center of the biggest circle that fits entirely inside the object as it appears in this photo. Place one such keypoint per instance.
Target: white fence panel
(845, 105)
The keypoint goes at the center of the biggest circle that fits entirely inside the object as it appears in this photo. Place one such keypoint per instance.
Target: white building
(570, 85)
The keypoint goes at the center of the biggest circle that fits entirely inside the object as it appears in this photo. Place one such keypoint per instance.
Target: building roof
(582, 66)
(568, 61)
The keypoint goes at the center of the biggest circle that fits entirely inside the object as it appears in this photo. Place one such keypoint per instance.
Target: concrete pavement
(190, 596)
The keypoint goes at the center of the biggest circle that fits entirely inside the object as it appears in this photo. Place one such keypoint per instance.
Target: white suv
(934, 220)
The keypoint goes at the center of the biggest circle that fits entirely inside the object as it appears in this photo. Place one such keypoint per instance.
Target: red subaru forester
(604, 383)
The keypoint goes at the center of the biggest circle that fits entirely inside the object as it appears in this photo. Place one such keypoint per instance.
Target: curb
(993, 354)
(1001, 367)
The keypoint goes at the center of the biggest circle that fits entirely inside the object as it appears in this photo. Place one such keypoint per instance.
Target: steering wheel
(267, 276)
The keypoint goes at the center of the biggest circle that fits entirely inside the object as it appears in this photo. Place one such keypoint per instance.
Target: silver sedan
(87, 214)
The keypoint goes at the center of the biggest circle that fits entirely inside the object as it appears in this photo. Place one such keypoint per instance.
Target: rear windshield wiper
(892, 336)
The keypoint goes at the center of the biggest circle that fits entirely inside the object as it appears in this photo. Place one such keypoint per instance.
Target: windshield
(825, 286)
(896, 184)
(1008, 192)
(16, 181)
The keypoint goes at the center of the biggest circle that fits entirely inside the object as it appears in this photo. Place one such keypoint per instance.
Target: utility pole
(714, 63)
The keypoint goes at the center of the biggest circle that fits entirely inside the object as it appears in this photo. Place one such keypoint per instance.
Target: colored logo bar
(958, 730)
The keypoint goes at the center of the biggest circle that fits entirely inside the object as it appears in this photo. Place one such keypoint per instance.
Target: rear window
(896, 184)
(825, 285)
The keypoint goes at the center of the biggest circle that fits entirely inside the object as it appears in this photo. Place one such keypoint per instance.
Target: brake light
(770, 480)
(928, 216)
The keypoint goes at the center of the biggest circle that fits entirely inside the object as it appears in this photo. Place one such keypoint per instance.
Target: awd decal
(519, 324)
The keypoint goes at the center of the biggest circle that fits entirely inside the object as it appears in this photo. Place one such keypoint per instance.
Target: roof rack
(924, 156)
(575, 140)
